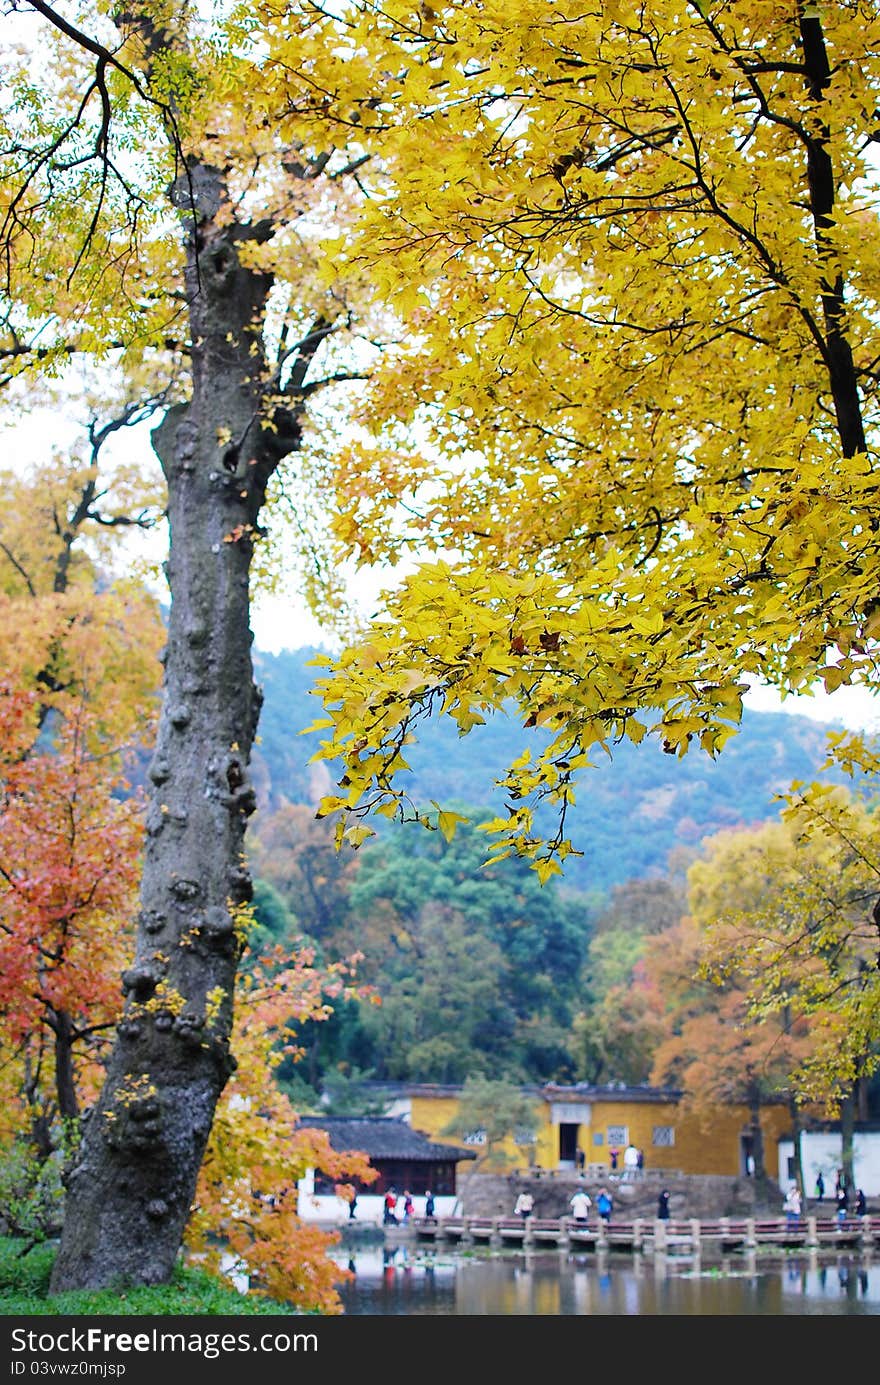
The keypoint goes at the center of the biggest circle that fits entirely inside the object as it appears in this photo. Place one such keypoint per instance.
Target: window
(474, 1137)
(663, 1135)
(522, 1136)
(618, 1135)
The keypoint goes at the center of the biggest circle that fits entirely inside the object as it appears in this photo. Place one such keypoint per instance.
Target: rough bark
(132, 1185)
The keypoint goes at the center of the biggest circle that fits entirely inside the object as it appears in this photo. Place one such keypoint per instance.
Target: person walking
(580, 1205)
(820, 1187)
(792, 1206)
(663, 1206)
(524, 1205)
(604, 1204)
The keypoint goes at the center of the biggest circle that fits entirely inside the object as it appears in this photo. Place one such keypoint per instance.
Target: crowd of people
(399, 1208)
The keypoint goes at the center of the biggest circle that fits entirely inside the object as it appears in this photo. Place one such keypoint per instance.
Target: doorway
(568, 1143)
(747, 1155)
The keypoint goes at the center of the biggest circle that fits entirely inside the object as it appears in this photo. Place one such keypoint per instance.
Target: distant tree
(490, 1114)
(614, 1036)
(472, 963)
(296, 855)
(244, 1218)
(709, 1042)
(790, 910)
(641, 906)
(615, 1030)
(441, 983)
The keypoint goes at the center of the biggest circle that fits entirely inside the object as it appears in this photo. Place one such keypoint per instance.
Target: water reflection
(430, 1280)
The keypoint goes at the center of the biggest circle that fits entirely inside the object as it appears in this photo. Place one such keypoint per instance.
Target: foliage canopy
(640, 276)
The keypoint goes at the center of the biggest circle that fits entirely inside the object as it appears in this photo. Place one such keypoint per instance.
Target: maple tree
(69, 856)
(245, 1216)
(493, 1114)
(80, 670)
(709, 1041)
(791, 909)
(639, 272)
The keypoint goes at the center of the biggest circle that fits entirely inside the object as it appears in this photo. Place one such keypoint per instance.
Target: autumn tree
(791, 910)
(640, 273)
(615, 1029)
(709, 1042)
(245, 1216)
(170, 220)
(639, 268)
(69, 857)
(80, 643)
(492, 1114)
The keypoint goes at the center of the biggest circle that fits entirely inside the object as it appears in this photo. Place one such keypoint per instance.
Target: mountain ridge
(631, 811)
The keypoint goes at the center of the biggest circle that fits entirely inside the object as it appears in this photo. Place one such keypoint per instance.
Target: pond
(427, 1280)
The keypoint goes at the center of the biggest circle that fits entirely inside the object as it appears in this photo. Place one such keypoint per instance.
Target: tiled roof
(382, 1137)
(548, 1091)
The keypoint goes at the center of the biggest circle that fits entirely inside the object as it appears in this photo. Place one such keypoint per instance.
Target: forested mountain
(632, 810)
(477, 969)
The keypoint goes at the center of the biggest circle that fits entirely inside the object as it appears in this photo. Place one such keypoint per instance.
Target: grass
(24, 1292)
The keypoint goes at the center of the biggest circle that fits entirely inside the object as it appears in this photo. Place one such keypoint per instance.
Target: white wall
(821, 1151)
(332, 1210)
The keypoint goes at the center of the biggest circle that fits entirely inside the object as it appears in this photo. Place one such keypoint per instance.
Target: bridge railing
(720, 1232)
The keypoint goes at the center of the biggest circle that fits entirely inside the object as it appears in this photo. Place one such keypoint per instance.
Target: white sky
(854, 707)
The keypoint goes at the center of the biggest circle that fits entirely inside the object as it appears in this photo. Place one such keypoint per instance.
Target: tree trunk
(797, 1126)
(847, 1130)
(41, 1113)
(820, 180)
(861, 1097)
(65, 1085)
(131, 1189)
(757, 1132)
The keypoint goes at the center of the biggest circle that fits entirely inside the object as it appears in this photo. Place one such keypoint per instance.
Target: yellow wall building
(599, 1119)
